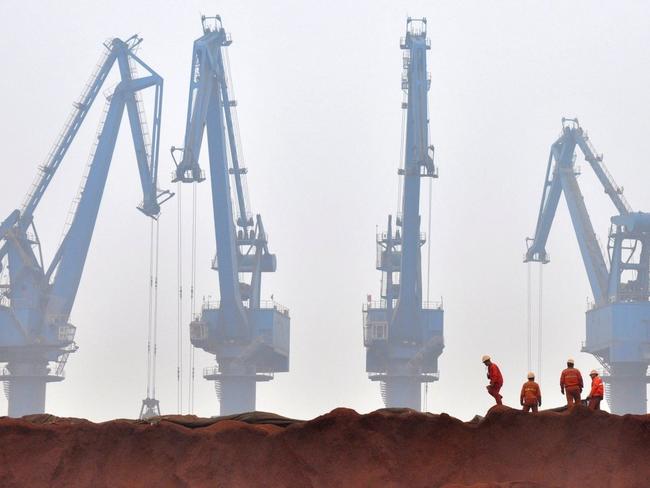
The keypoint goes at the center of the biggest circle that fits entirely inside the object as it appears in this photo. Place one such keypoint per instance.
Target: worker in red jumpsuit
(496, 380)
(597, 390)
(531, 396)
(571, 384)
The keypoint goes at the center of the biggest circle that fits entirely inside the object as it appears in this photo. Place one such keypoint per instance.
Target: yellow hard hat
(531, 375)
(485, 358)
(570, 361)
(593, 373)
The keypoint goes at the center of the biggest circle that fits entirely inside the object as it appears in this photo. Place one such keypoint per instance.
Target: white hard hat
(593, 372)
(485, 358)
(531, 375)
(570, 361)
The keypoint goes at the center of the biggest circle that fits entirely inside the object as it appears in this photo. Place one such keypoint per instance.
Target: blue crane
(618, 321)
(36, 300)
(249, 337)
(403, 335)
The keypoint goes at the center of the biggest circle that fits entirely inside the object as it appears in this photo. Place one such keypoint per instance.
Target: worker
(531, 396)
(496, 380)
(571, 383)
(597, 390)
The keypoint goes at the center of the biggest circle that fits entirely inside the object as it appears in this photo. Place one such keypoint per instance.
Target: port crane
(618, 320)
(249, 337)
(36, 299)
(403, 334)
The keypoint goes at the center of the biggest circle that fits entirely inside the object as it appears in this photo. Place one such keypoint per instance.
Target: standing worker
(597, 390)
(496, 380)
(571, 383)
(530, 396)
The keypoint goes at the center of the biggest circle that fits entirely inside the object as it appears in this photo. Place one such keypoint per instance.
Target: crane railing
(381, 304)
(596, 161)
(264, 305)
(212, 371)
(84, 178)
(142, 117)
(6, 375)
(382, 236)
(70, 128)
(238, 177)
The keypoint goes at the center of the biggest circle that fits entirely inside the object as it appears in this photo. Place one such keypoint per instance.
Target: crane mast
(36, 337)
(403, 335)
(249, 337)
(618, 322)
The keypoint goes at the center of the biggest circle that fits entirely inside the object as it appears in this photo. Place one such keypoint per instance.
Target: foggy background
(318, 87)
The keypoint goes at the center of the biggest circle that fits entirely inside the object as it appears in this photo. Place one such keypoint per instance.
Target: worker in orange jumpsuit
(597, 390)
(496, 380)
(571, 383)
(531, 396)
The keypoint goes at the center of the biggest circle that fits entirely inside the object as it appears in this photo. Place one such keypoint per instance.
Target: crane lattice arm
(68, 264)
(249, 339)
(418, 163)
(617, 328)
(57, 286)
(561, 178)
(37, 301)
(240, 240)
(402, 334)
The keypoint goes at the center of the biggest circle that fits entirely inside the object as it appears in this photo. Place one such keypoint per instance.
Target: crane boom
(418, 163)
(64, 141)
(34, 328)
(403, 335)
(564, 180)
(249, 340)
(618, 322)
(614, 191)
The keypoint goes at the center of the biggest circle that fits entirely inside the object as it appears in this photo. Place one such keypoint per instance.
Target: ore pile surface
(386, 448)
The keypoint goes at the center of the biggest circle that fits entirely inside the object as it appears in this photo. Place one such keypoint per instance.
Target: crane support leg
(403, 392)
(25, 383)
(236, 386)
(27, 396)
(237, 394)
(628, 388)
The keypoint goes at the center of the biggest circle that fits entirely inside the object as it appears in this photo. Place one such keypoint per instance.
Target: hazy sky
(318, 87)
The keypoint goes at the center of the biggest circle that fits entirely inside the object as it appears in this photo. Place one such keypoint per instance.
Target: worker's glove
(521, 402)
(562, 390)
(539, 403)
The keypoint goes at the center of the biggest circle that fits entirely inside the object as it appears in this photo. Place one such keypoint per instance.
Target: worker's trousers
(594, 403)
(528, 408)
(494, 391)
(572, 396)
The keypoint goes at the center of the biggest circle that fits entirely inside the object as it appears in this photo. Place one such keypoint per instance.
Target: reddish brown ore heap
(340, 449)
